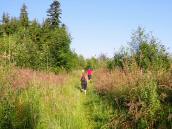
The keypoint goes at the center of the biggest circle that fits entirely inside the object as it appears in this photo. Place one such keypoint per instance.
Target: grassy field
(40, 100)
(40, 106)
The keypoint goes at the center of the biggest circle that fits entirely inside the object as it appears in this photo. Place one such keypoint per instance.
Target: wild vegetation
(138, 85)
(29, 44)
(38, 100)
(40, 81)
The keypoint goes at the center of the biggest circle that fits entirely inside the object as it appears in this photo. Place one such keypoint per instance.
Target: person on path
(84, 80)
(89, 73)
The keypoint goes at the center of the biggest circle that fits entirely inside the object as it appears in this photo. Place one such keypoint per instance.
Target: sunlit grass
(40, 106)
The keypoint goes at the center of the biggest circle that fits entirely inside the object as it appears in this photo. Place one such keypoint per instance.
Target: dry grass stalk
(22, 78)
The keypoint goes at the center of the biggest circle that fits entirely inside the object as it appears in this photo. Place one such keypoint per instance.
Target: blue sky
(99, 26)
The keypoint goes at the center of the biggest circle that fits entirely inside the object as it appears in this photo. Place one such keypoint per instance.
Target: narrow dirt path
(92, 109)
(81, 111)
(78, 99)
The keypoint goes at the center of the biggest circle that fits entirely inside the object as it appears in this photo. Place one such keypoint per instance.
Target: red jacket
(89, 72)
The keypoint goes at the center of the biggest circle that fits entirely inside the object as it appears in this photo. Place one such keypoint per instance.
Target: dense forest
(36, 45)
(40, 84)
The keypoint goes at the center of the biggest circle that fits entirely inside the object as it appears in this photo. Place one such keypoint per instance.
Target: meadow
(40, 74)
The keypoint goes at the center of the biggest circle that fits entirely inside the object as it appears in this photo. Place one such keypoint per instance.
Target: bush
(136, 97)
(146, 50)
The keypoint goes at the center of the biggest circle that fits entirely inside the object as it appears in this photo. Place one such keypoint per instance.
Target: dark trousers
(89, 77)
(84, 85)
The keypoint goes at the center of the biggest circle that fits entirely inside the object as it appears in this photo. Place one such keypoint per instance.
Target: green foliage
(147, 93)
(99, 110)
(144, 104)
(9, 26)
(92, 63)
(97, 62)
(102, 61)
(146, 50)
(59, 45)
(38, 46)
(134, 105)
(141, 99)
(41, 106)
(54, 14)
(81, 61)
(24, 20)
(14, 113)
(117, 61)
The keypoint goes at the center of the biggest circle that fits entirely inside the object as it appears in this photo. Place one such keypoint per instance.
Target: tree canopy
(37, 45)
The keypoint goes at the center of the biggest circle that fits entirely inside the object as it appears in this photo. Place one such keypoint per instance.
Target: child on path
(84, 80)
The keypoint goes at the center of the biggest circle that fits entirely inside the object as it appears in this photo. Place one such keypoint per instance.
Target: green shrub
(148, 52)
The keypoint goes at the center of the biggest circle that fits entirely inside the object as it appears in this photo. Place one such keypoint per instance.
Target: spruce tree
(54, 14)
(5, 18)
(24, 16)
(6, 23)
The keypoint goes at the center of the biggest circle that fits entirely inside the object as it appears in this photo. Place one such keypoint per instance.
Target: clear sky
(102, 26)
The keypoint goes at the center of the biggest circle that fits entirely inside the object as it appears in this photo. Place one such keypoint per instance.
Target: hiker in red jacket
(89, 73)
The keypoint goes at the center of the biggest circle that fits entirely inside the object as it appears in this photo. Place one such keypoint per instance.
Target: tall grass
(38, 100)
(136, 97)
(116, 99)
(98, 110)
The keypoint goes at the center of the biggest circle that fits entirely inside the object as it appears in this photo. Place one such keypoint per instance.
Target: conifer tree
(24, 16)
(5, 18)
(5, 23)
(54, 14)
